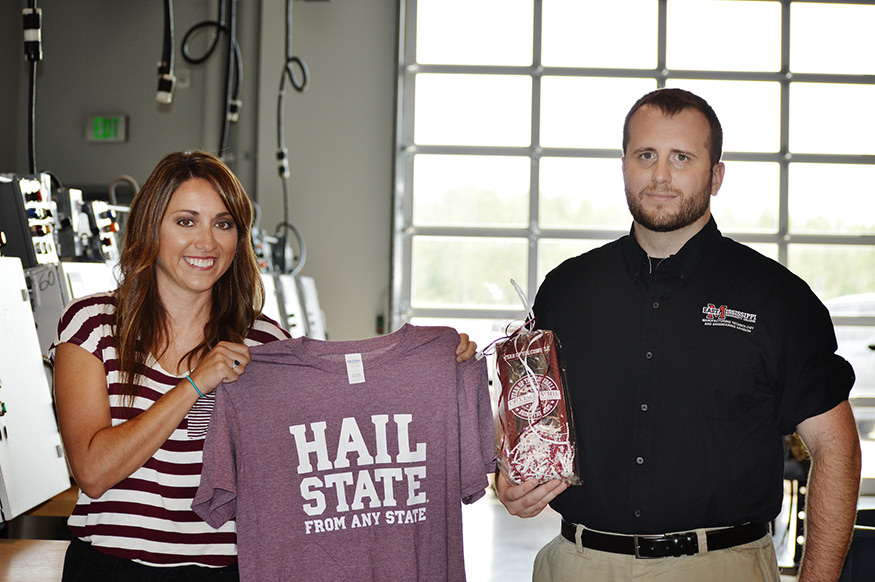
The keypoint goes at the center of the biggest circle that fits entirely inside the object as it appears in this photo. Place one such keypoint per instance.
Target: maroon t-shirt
(350, 460)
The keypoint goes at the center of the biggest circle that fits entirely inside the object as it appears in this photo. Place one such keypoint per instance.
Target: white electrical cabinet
(315, 316)
(83, 279)
(272, 299)
(296, 317)
(284, 303)
(48, 297)
(52, 287)
(32, 464)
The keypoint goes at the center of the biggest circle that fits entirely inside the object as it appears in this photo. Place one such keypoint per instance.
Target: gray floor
(500, 547)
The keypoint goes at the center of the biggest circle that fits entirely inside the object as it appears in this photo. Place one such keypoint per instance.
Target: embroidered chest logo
(724, 317)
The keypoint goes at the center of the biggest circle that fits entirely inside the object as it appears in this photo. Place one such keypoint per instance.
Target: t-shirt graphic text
(373, 485)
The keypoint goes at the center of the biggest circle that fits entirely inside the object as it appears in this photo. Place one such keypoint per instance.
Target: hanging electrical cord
(302, 257)
(234, 71)
(300, 85)
(33, 52)
(166, 79)
(113, 199)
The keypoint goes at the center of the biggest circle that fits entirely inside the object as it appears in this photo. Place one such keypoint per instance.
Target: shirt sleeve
(265, 330)
(816, 379)
(541, 305)
(216, 498)
(85, 322)
(476, 436)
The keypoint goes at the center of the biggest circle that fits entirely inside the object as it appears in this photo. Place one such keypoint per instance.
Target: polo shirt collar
(679, 264)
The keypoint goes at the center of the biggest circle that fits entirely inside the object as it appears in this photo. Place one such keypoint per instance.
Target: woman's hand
(466, 348)
(224, 363)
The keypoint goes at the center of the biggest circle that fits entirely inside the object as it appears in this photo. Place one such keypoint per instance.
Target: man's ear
(717, 173)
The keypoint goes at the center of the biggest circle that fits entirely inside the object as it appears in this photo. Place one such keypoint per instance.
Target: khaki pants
(564, 561)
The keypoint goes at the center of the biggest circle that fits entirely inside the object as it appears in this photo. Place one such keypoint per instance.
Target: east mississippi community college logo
(724, 317)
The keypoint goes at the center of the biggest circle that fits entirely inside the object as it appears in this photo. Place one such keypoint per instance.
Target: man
(688, 357)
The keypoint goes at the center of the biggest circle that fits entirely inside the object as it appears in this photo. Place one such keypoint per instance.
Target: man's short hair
(672, 102)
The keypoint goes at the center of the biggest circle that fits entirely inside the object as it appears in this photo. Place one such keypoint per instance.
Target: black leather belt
(664, 546)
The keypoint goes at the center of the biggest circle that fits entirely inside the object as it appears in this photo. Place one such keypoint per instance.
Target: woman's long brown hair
(141, 320)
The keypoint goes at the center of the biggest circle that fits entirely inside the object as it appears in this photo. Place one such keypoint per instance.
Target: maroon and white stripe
(147, 517)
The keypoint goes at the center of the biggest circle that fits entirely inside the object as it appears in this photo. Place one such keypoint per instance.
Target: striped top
(147, 517)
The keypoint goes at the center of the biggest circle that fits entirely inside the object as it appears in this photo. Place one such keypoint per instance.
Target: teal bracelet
(187, 377)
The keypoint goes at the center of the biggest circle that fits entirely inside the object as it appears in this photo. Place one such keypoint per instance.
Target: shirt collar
(679, 264)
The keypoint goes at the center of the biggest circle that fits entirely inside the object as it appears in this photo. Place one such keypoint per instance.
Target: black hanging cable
(219, 28)
(225, 24)
(166, 78)
(233, 74)
(33, 52)
(300, 85)
(31, 118)
(233, 71)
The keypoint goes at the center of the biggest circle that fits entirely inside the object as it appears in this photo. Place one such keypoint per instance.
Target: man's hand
(529, 498)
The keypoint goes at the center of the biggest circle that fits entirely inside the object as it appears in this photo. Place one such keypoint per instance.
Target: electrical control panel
(69, 203)
(263, 245)
(87, 229)
(104, 224)
(27, 219)
(33, 467)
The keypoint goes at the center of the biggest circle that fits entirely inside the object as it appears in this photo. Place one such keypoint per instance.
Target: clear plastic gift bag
(533, 422)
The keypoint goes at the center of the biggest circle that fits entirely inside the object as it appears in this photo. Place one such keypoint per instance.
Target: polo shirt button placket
(639, 460)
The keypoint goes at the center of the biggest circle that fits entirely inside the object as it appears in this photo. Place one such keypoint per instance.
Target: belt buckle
(674, 545)
(637, 543)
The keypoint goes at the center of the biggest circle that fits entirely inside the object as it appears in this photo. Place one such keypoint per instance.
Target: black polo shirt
(683, 374)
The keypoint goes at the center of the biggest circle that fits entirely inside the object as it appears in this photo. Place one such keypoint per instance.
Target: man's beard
(692, 209)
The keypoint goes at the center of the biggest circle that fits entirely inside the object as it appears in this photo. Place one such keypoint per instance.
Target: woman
(135, 369)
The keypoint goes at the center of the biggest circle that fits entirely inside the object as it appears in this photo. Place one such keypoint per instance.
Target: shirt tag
(355, 370)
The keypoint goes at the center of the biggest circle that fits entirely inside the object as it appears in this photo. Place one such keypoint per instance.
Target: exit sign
(107, 128)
